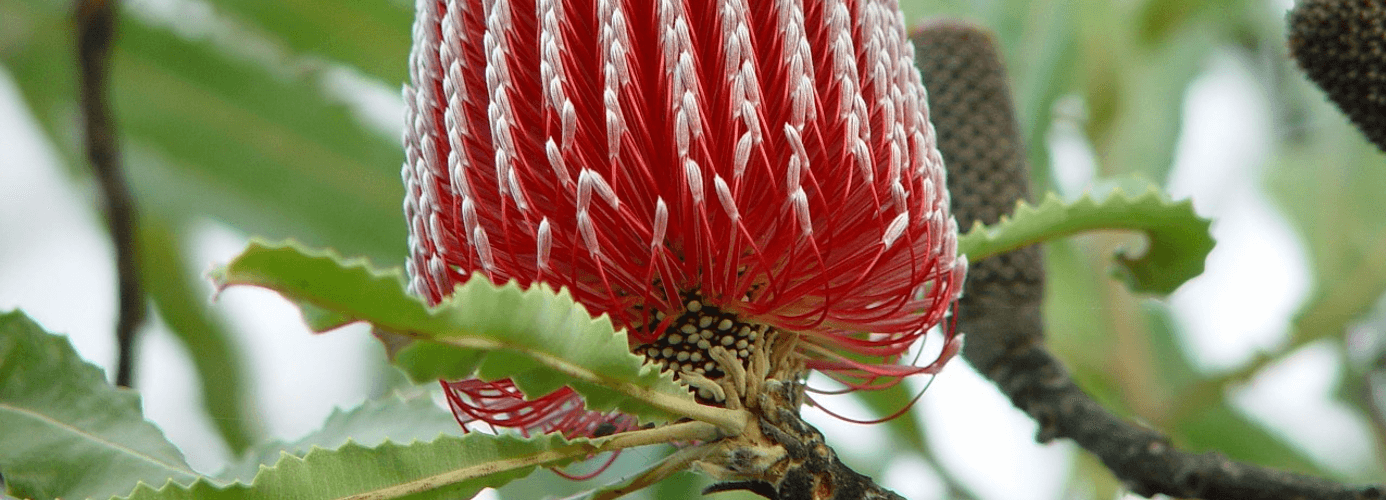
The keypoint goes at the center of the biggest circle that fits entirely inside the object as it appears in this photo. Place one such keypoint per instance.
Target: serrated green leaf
(371, 424)
(449, 467)
(423, 361)
(481, 324)
(1178, 239)
(67, 433)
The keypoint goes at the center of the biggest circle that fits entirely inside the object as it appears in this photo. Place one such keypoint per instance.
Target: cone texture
(1341, 45)
(973, 114)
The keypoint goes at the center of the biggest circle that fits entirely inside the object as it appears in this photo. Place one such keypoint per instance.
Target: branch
(781, 457)
(1142, 458)
(785, 458)
(1001, 309)
(814, 471)
(95, 28)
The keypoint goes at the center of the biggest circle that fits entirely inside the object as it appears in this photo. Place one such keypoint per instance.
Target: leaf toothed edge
(447, 467)
(1178, 239)
(66, 431)
(397, 418)
(539, 338)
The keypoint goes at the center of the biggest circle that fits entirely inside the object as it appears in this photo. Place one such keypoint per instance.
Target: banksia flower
(707, 174)
(1341, 45)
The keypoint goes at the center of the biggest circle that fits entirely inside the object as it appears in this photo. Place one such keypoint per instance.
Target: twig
(1000, 311)
(677, 462)
(95, 22)
(1142, 458)
(95, 27)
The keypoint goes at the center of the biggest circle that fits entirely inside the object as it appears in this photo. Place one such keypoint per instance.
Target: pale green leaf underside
(449, 467)
(371, 424)
(539, 338)
(1178, 239)
(66, 432)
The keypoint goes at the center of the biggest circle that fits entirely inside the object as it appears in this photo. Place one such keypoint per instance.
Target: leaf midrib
(52, 422)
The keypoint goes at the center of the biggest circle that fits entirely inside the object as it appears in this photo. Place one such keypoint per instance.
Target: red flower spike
(704, 172)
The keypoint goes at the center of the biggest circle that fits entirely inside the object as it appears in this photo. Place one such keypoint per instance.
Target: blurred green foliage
(233, 117)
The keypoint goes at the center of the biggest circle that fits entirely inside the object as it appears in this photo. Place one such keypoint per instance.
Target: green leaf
(449, 467)
(371, 424)
(1168, 358)
(37, 47)
(1329, 185)
(539, 338)
(67, 433)
(1224, 429)
(179, 296)
(212, 133)
(1178, 239)
(1091, 478)
(372, 35)
(1043, 59)
(1134, 92)
(1080, 336)
(268, 153)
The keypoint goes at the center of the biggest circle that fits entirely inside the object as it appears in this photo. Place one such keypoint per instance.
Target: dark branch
(1000, 311)
(787, 459)
(1143, 458)
(813, 471)
(95, 28)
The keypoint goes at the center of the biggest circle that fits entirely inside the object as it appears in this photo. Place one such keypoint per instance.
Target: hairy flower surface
(706, 172)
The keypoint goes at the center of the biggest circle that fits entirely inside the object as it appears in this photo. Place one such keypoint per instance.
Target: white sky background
(55, 264)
